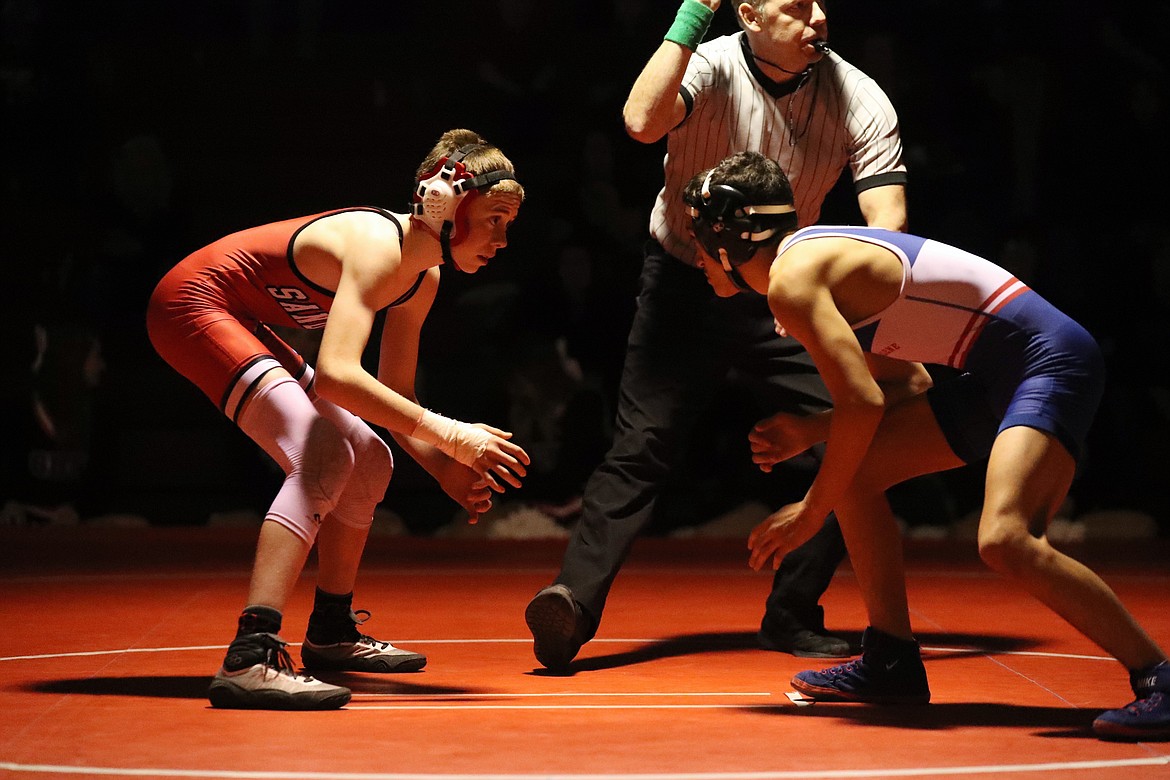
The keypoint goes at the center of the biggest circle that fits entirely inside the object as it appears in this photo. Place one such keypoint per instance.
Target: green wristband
(690, 24)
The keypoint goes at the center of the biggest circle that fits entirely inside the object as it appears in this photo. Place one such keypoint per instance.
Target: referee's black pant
(683, 344)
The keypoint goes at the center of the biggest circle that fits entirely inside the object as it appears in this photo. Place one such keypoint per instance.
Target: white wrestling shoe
(258, 674)
(365, 655)
(358, 651)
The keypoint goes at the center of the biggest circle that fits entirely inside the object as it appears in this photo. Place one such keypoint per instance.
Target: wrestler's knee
(1006, 546)
(328, 462)
(374, 460)
(373, 467)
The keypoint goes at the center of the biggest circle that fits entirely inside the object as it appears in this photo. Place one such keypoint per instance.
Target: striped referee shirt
(813, 126)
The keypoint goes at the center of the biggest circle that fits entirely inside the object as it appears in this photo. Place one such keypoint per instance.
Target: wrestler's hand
(467, 489)
(500, 459)
(780, 437)
(780, 533)
(482, 448)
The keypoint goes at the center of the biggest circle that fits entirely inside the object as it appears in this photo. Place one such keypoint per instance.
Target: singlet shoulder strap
(393, 219)
(414, 288)
(406, 296)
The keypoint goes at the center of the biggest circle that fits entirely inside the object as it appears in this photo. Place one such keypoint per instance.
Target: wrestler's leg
(343, 534)
(1028, 477)
(908, 443)
(334, 639)
(317, 460)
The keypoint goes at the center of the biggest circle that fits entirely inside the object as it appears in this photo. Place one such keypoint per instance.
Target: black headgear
(722, 217)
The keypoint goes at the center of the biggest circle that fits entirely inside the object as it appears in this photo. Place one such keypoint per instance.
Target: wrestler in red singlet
(225, 294)
(335, 272)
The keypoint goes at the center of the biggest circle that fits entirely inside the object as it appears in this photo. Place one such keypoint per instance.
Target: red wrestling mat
(109, 638)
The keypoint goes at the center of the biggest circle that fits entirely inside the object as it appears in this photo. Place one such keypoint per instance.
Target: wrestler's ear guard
(722, 217)
(440, 197)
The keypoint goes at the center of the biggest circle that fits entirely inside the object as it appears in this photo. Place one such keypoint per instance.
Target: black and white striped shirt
(814, 127)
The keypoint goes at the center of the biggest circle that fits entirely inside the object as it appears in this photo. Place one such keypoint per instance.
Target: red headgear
(441, 196)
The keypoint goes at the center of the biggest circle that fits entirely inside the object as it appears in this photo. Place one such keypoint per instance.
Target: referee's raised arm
(654, 106)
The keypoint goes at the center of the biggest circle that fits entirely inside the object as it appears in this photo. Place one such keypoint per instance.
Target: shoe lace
(359, 616)
(843, 670)
(278, 658)
(1146, 704)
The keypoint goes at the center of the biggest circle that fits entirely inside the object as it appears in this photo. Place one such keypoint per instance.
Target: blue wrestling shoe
(1147, 718)
(889, 671)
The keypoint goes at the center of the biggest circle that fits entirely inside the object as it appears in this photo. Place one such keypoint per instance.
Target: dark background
(135, 131)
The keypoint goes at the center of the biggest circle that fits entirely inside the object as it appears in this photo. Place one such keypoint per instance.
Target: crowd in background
(135, 132)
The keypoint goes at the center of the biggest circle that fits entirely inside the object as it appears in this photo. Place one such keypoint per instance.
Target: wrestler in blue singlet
(1024, 362)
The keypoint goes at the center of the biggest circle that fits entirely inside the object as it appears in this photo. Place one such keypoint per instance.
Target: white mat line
(85, 653)
(827, 774)
(1036, 653)
(81, 654)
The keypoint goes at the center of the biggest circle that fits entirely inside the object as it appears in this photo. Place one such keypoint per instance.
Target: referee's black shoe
(785, 634)
(558, 627)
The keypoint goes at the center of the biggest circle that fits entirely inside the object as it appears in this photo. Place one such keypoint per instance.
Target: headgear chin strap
(441, 195)
(722, 218)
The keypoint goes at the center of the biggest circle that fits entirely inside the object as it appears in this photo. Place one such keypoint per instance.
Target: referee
(772, 87)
